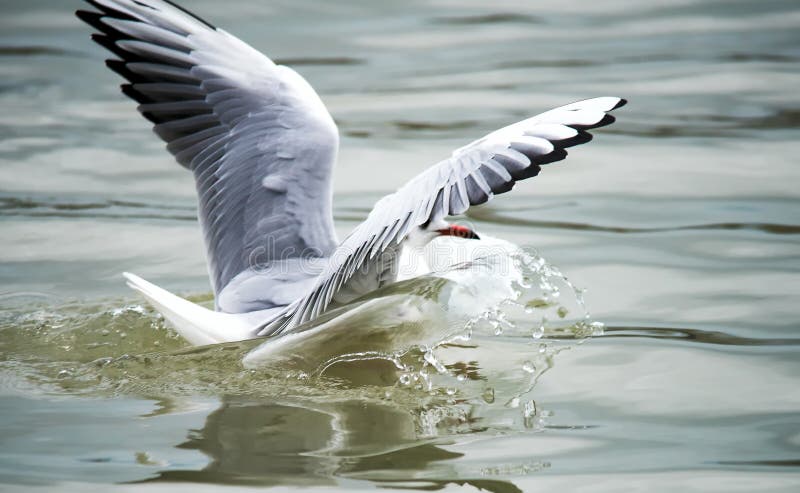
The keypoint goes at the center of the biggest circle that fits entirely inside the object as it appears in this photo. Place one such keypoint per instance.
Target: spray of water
(448, 348)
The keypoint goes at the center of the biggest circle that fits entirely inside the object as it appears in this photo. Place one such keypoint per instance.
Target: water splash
(457, 350)
(493, 356)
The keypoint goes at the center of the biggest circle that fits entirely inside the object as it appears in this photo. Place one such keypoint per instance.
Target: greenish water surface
(681, 221)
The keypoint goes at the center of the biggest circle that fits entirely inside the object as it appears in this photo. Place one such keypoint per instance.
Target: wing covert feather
(472, 175)
(257, 138)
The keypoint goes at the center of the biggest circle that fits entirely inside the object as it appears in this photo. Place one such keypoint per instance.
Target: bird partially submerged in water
(261, 146)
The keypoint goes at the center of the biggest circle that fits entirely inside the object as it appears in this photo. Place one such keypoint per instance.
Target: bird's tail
(198, 325)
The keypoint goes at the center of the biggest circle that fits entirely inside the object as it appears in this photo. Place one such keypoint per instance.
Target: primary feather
(472, 175)
(257, 138)
(261, 146)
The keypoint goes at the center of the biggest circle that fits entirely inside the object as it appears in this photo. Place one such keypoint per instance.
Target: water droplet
(529, 409)
(529, 416)
(430, 358)
(463, 337)
(451, 391)
(405, 379)
(104, 332)
(529, 367)
(501, 318)
(488, 395)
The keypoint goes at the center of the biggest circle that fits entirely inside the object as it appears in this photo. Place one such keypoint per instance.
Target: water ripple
(495, 18)
(695, 335)
(493, 217)
(27, 51)
(119, 209)
(115, 209)
(340, 60)
(762, 463)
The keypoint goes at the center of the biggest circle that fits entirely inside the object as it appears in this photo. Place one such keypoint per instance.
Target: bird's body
(262, 146)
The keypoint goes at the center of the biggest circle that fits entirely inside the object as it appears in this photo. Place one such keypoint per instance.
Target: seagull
(261, 146)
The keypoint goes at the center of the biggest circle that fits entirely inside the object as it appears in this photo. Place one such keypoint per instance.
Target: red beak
(459, 231)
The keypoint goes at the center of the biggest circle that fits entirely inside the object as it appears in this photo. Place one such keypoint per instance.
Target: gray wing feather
(472, 175)
(257, 138)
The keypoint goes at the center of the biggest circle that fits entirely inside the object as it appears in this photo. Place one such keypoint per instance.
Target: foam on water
(462, 346)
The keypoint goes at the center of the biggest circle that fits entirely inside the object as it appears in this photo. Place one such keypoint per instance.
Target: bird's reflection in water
(317, 441)
(314, 444)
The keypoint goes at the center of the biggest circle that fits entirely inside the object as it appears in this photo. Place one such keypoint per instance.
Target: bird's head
(458, 231)
(426, 233)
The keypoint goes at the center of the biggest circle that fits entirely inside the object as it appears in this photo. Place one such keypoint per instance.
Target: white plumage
(261, 146)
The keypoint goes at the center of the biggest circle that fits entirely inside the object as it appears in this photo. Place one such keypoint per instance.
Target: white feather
(196, 324)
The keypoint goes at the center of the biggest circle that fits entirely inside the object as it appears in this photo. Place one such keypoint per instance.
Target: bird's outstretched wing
(257, 138)
(470, 176)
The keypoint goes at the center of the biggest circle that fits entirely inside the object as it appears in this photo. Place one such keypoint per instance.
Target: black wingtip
(558, 154)
(131, 92)
(606, 121)
(529, 172)
(103, 12)
(152, 117)
(121, 67)
(105, 42)
(194, 16)
(117, 66)
(110, 44)
(96, 5)
(622, 102)
(91, 18)
(581, 137)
